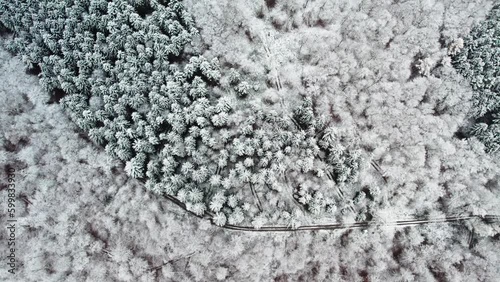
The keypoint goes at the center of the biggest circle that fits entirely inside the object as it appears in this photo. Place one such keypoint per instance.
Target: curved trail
(337, 226)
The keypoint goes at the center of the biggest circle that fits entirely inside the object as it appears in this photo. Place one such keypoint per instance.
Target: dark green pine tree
(479, 62)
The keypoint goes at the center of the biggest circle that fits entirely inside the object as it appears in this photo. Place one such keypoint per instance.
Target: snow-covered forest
(142, 131)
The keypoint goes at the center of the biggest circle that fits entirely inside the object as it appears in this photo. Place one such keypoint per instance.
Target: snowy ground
(84, 220)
